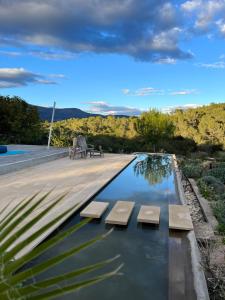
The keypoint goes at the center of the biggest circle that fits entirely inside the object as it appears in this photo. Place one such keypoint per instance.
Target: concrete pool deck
(81, 178)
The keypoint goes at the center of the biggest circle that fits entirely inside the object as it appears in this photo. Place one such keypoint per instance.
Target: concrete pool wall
(198, 273)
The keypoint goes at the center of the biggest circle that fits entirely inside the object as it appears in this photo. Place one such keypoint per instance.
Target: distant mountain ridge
(45, 114)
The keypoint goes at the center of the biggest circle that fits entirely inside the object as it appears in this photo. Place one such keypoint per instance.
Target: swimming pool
(13, 152)
(144, 249)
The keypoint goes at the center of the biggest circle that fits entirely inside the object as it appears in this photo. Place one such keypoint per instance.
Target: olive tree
(154, 126)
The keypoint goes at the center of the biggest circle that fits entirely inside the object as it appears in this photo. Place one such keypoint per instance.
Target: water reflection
(154, 168)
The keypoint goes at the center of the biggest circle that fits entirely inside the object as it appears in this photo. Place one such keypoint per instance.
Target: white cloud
(126, 91)
(221, 26)
(142, 92)
(183, 92)
(170, 109)
(167, 61)
(216, 65)
(102, 107)
(192, 5)
(208, 14)
(53, 55)
(57, 75)
(10, 53)
(150, 91)
(46, 55)
(146, 30)
(17, 77)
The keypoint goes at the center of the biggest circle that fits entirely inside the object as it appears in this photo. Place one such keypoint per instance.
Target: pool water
(13, 152)
(143, 248)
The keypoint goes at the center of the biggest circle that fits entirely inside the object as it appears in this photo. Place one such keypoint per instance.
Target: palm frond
(13, 283)
(54, 281)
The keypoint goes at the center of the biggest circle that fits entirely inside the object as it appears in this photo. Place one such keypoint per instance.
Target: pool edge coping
(198, 273)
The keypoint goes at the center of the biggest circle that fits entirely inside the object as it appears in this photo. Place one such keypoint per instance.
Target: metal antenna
(50, 130)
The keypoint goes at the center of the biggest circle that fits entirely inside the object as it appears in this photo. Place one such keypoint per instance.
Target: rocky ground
(211, 246)
(203, 230)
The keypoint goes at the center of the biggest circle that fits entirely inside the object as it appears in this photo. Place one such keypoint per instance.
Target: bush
(206, 190)
(219, 211)
(218, 173)
(193, 171)
(221, 228)
(222, 197)
(178, 145)
(213, 182)
(220, 155)
(209, 148)
(219, 165)
(199, 155)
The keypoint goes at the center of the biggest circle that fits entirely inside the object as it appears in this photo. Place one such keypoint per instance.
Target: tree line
(182, 131)
(19, 122)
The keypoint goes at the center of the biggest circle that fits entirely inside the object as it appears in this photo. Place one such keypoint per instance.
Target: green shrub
(222, 197)
(193, 171)
(177, 145)
(220, 155)
(215, 183)
(221, 228)
(206, 190)
(219, 212)
(209, 148)
(199, 155)
(218, 173)
(219, 165)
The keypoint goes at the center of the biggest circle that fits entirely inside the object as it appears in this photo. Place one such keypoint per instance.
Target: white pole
(50, 130)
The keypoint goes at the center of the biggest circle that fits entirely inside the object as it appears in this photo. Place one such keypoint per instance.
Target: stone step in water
(120, 213)
(179, 217)
(94, 210)
(149, 214)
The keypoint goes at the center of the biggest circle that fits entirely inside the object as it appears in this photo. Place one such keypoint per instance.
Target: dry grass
(214, 267)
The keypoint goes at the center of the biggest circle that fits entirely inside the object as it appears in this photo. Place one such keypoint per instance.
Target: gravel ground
(192, 202)
(203, 230)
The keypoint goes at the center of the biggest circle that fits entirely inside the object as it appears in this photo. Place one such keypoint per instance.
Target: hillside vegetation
(205, 125)
(182, 132)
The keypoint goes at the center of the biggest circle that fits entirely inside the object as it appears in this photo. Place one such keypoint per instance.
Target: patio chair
(75, 150)
(82, 144)
(94, 153)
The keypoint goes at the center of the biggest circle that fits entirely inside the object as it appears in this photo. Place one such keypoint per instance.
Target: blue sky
(119, 57)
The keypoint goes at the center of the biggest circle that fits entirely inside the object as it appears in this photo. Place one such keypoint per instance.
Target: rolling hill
(45, 113)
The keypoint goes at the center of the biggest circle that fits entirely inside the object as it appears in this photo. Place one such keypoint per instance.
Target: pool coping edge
(198, 273)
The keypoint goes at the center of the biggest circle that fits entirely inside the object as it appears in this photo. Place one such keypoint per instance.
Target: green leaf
(18, 263)
(39, 286)
(70, 288)
(24, 275)
(12, 279)
(7, 229)
(16, 249)
(2, 211)
(15, 211)
(29, 225)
